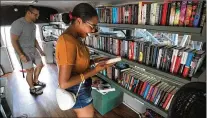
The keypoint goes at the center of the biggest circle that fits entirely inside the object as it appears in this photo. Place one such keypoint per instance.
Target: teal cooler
(105, 103)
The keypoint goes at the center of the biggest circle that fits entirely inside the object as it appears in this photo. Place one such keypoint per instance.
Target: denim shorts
(84, 96)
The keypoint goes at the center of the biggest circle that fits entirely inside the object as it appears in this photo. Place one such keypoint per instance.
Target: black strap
(22, 69)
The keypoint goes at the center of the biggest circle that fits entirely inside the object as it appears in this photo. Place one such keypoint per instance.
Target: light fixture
(19, 1)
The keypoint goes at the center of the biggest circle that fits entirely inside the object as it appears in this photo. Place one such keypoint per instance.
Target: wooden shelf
(171, 29)
(147, 104)
(167, 77)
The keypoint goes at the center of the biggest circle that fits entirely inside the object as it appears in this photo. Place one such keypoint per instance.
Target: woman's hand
(102, 65)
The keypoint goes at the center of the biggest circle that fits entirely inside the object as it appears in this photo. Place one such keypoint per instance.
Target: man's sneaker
(36, 91)
(38, 83)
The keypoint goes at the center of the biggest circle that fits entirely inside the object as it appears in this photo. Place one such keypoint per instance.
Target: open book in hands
(110, 61)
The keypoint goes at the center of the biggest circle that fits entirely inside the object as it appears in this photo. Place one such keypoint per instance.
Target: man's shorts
(33, 57)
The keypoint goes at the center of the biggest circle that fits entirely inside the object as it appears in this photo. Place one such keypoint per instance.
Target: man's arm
(15, 44)
(39, 48)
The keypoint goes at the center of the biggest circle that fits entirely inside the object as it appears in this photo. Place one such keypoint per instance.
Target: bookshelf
(171, 29)
(148, 104)
(168, 77)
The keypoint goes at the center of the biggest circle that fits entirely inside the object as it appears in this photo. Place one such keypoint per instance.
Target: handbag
(65, 99)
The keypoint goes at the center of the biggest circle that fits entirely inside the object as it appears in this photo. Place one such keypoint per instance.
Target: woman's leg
(86, 112)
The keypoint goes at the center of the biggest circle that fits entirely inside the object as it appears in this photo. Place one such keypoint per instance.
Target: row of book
(176, 60)
(149, 87)
(175, 13)
(101, 86)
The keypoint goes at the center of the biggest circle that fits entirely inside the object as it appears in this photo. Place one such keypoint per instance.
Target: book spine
(164, 14)
(140, 13)
(183, 61)
(148, 14)
(187, 65)
(144, 12)
(157, 14)
(203, 18)
(194, 9)
(177, 13)
(197, 15)
(168, 14)
(177, 63)
(160, 14)
(182, 13)
(172, 13)
(188, 13)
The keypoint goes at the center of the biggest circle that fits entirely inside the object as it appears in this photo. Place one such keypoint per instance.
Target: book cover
(178, 60)
(159, 92)
(168, 14)
(135, 15)
(188, 62)
(182, 12)
(183, 60)
(198, 15)
(155, 91)
(148, 53)
(188, 13)
(152, 88)
(166, 95)
(129, 14)
(203, 18)
(168, 103)
(158, 95)
(162, 94)
(140, 13)
(148, 14)
(157, 13)
(172, 13)
(147, 90)
(164, 13)
(141, 51)
(195, 61)
(144, 13)
(160, 54)
(174, 58)
(146, 46)
(177, 13)
(200, 62)
(160, 14)
(194, 8)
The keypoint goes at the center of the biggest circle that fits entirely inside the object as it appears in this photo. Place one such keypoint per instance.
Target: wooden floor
(45, 105)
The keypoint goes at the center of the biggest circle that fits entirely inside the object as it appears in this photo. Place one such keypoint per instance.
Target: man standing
(23, 37)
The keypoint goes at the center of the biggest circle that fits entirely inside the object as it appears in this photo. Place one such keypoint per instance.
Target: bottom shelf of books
(155, 94)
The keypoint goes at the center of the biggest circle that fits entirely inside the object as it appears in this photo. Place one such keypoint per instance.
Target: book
(197, 17)
(183, 60)
(188, 62)
(182, 12)
(178, 60)
(188, 13)
(172, 13)
(160, 14)
(177, 13)
(164, 13)
(194, 62)
(168, 14)
(169, 96)
(194, 8)
(157, 14)
(203, 18)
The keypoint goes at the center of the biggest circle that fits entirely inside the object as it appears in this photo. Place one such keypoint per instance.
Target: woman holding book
(73, 58)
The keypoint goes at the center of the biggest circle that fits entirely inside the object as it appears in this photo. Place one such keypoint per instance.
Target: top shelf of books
(186, 17)
(172, 29)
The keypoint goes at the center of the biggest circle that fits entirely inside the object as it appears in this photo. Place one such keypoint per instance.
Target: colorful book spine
(164, 14)
(187, 64)
(172, 13)
(177, 13)
(182, 13)
(194, 8)
(198, 15)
